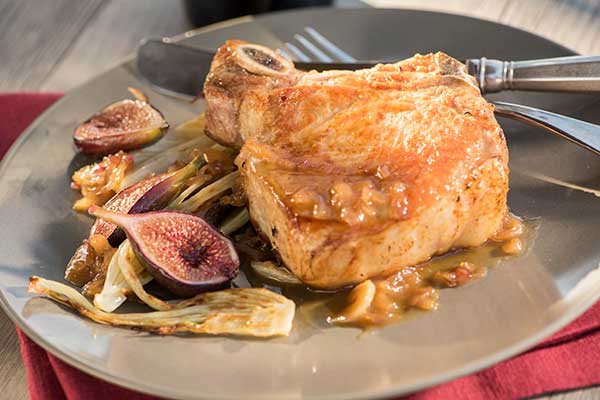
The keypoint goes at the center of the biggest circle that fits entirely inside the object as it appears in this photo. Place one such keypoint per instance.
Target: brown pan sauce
(387, 299)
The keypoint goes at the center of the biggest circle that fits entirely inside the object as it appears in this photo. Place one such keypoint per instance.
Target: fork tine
(318, 53)
(297, 52)
(329, 46)
(285, 54)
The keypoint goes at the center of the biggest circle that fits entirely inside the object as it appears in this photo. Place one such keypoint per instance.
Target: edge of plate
(583, 300)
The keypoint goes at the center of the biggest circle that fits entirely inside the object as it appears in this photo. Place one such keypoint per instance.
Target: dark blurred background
(203, 12)
(56, 45)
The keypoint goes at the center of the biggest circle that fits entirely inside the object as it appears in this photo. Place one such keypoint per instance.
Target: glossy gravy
(384, 300)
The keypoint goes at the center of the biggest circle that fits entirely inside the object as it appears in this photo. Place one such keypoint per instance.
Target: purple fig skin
(137, 198)
(184, 253)
(150, 194)
(153, 193)
(120, 202)
(120, 126)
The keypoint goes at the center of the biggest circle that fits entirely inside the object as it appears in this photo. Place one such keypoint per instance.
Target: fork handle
(563, 74)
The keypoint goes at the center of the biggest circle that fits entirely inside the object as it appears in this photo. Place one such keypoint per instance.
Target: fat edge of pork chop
(355, 174)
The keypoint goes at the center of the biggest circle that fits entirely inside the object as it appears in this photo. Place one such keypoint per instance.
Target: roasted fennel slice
(116, 288)
(271, 271)
(239, 312)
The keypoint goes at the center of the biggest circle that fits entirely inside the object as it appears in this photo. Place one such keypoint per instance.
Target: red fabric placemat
(570, 359)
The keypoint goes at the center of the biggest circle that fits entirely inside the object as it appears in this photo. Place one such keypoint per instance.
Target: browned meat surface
(351, 174)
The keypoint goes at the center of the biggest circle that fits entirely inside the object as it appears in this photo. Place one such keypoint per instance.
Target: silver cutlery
(181, 68)
(579, 132)
(178, 69)
(561, 74)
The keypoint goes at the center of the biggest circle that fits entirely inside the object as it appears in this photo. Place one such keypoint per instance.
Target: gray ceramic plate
(517, 305)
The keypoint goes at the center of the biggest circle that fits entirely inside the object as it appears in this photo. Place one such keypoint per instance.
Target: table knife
(181, 69)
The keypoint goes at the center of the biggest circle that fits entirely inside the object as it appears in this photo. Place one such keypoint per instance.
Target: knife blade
(178, 69)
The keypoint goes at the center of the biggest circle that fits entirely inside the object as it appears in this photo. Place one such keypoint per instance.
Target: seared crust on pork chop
(351, 174)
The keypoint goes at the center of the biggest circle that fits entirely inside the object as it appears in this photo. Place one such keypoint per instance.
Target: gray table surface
(55, 45)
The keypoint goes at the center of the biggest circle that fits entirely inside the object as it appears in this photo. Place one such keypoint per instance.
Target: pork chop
(352, 174)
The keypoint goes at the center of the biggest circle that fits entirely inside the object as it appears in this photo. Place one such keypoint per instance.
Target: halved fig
(150, 194)
(153, 193)
(124, 125)
(183, 252)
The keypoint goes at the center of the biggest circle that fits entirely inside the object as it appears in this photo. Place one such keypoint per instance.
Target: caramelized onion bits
(100, 244)
(510, 233)
(356, 201)
(513, 246)
(512, 227)
(424, 298)
(359, 301)
(418, 287)
(464, 273)
(100, 181)
(83, 265)
(380, 301)
(309, 204)
(403, 290)
(240, 312)
(87, 267)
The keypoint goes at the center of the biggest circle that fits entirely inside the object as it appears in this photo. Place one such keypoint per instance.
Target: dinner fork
(178, 70)
(561, 74)
(582, 133)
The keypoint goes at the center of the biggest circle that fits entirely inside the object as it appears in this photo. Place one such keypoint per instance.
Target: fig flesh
(150, 194)
(183, 252)
(153, 193)
(124, 125)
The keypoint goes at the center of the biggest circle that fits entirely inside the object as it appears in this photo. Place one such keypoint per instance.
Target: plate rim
(478, 364)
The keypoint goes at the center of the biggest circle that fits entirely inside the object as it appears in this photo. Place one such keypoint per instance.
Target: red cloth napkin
(570, 359)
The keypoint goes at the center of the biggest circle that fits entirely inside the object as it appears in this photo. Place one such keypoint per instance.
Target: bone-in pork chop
(352, 174)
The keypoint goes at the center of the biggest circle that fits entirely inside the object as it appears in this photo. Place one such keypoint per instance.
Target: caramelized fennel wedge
(157, 158)
(184, 253)
(116, 287)
(235, 222)
(208, 192)
(129, 266)
(272, 272)
(240, 312)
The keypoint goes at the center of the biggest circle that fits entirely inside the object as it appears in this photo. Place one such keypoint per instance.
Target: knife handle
(563, 74)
